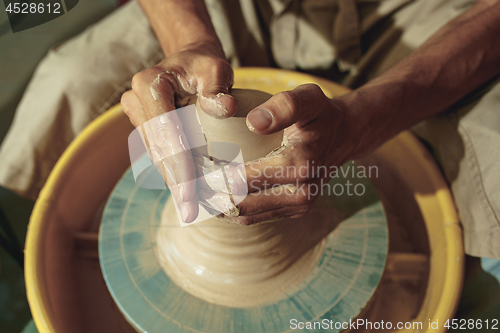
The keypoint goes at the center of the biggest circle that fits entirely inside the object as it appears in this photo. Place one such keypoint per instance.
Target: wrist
(361, 128)
(207, 47)
(179, 23)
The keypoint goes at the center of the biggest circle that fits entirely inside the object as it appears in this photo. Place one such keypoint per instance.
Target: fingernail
(259, 119)
(184, 213)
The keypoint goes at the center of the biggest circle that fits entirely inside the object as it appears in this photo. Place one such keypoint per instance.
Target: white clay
(240, 266)
(234, 129)
(155, 94)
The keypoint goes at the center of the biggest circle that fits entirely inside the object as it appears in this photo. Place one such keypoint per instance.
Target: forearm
(457, 59)
(180, 23)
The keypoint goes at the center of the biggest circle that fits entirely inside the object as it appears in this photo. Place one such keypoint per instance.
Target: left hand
(317, 132)
(198, 69)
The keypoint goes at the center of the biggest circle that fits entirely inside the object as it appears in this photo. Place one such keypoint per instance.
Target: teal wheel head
(342, 284)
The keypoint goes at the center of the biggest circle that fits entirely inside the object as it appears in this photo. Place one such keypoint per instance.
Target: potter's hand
(199, 69)
(317, 132)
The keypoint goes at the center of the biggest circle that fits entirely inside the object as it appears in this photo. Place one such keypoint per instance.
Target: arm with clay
(194, 64)
(460, 57)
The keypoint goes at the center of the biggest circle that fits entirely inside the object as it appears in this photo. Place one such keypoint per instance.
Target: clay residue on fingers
(276, 151)
(188, 85)
(183, 89)
(222, 203)
(233, 211)
(237, 180)
(250, 127)
(290, 188)
(155, 94)
(214, 179)
(153, 88)
(214, 105)
(293, 138)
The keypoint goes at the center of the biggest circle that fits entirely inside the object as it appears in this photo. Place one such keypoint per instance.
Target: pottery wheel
(339, 287)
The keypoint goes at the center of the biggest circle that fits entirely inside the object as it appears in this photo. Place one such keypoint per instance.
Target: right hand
(199, 69)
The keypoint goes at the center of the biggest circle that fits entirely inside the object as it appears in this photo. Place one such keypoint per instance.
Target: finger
(218, 103)
(261, 174)
(213, 90)
(298, 106)
(279, 196)
(188, 211)
(168, 144)
(221, 202)
(164, 129)
(290, 166)
(163, 132)
(274, 215)
(133, 109)
(155, 89)
(156, 139)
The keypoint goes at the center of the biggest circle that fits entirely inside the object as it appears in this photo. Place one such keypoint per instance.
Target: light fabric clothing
(21, 52)
(351, 40)
(71, 86)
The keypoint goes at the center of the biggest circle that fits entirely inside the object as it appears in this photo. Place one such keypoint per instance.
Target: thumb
(214, 95)
(298, 106)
